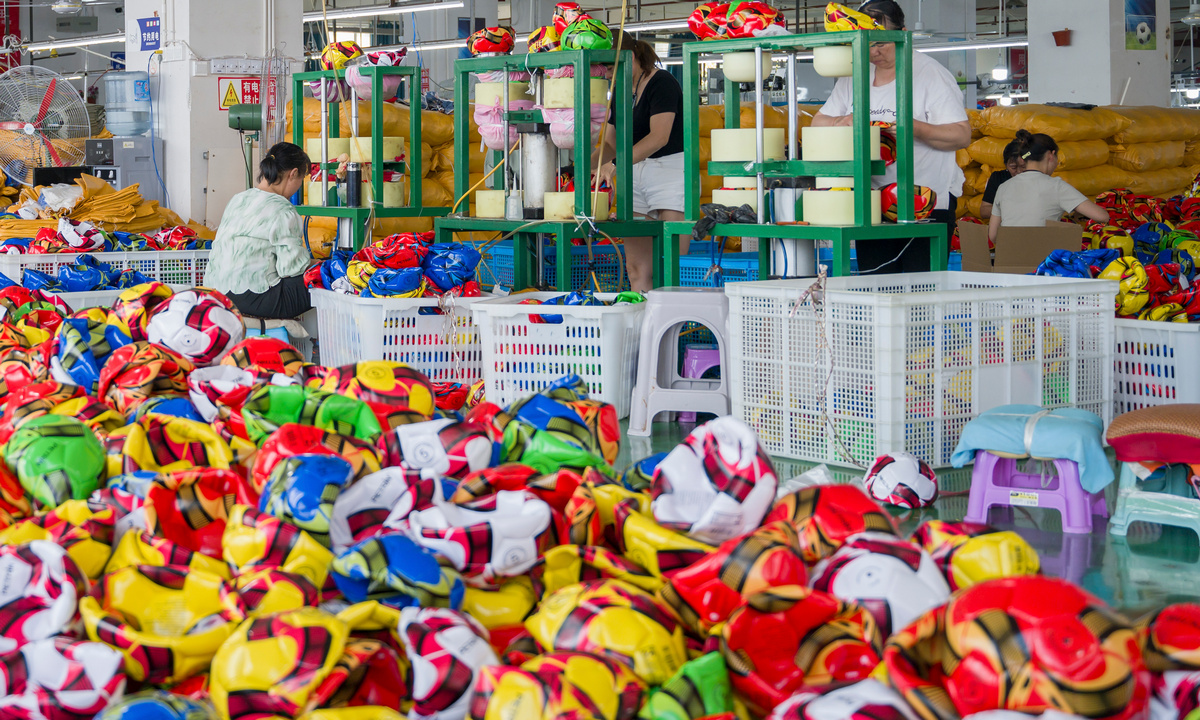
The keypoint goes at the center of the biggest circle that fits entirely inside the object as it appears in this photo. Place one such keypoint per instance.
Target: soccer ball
(60, 677)
(188, 507)
(707, 592)
(131, 311)
(826, 515)
(270, 407)
(447, 649)
(790, 636)
(136, 372)
(394, 570)
(42, 585)
(558, 685)
(294, 439)
(566, 13)
(270, 591)
(129, 612)
(273, 665)
(437, 448)
(156, 705)
(82, 344)
(56, 458)
(201, 325)
(708, 20)
(895, 580)
(1143, 33)
(501, 535)
(492, 41)
(383, 383)
(219, 391)
(613, 619)
(361, 509)
(336, 55)
(903, 480)
(545, 39)
(265, 356)
(301, 490)
(718, 484)
(866, 700)
(1072, 652)
(924, 201)
(587, 33)
(967, 554)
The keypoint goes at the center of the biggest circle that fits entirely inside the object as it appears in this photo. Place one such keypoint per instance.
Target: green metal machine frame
(331, 113)
(860, 169)
(526, 232)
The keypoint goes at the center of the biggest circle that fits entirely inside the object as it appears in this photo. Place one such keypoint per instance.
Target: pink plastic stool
(697, 360)
(997, 481)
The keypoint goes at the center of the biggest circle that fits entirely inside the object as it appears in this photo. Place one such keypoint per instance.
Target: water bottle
(127, 103)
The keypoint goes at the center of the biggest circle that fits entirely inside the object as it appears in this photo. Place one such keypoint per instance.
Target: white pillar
(1097, 67)
(188, 118)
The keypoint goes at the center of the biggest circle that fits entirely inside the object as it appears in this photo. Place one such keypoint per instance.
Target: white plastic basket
(91, 298)
(1154, 364)
(598, 343)
(354, 329)
(903, 362)
(174, 267)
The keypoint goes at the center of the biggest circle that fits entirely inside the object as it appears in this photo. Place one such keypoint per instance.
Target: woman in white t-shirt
(940, 128)
(1033, 198)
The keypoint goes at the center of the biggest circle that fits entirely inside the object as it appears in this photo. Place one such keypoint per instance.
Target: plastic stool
(697, 360)
(1163, 508)
(998, 481)
(659, 386)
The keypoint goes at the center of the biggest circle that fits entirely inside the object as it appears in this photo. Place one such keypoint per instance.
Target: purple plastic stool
(697, 360)
(997, 481)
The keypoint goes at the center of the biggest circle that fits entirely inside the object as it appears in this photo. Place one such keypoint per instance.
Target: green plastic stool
(1171, 503)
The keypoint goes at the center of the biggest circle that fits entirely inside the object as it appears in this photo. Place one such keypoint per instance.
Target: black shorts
(284, 301)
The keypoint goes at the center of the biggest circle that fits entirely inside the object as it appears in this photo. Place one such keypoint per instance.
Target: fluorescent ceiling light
(377, 10)
(657, 25)
(78, 42)
(952, 47)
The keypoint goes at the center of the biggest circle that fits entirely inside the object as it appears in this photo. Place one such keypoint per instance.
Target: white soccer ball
(903, 480)
(865, 700)
(893, 579)
(447, 648)
(1143, 33)
(201, 325)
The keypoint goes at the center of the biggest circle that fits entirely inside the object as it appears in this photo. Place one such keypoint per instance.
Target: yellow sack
(1071, 155)
(1093, 181)
(1157, 124)
(712, 117)
(1159, 182)
(962, 156)
(972, 204)
(1062, 124)
(963, 205)
(975, 117)
(972, 175)
(1146, 156)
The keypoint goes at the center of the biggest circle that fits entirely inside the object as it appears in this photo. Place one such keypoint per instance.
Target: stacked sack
(408, 265)
(334, 547)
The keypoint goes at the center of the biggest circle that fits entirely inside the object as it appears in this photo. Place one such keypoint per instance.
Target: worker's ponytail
(1033, 148)
(282, 159)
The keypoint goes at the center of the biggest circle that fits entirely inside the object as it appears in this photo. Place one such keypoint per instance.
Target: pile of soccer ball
(73, 236)
(400, 266)
(193, 525)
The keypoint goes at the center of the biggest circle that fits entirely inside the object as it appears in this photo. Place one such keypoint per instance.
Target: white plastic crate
(354, 329)
(914, 358)
(1154, 364)
(174, 267)
(91, 298)
(598, 343)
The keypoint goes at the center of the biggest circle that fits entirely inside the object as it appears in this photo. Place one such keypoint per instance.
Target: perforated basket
(598, 343)
(443, 346)
(903, 362)
(175, 267)
(1154, 364)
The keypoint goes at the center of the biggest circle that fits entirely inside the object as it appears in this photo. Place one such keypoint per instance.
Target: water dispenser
(127, 103)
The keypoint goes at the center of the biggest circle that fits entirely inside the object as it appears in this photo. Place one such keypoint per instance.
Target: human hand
(844, 121)
(605, 174)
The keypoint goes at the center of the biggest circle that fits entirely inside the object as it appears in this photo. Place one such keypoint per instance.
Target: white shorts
(658, 185)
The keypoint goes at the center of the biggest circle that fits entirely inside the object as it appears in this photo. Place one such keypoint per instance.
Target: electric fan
(43, 122)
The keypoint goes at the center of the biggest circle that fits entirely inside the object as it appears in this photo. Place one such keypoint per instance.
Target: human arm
(989, 193)
(1091, 210)
(604, 159)
(946, 137)
(993, 228)
(823, 120)
(292, 257)
(837, 110)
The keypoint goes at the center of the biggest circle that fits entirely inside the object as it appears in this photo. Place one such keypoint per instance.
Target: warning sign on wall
(237, 91)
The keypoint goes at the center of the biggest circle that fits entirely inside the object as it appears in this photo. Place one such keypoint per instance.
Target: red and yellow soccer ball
(199, 324)
(545, 39)
(750, 18)
(131, 311)
(265, 356)
(558, 685)
(924, 202)
(839, 18)
(708, 20)
(566, 13)
(826, 516)
(1072, 653)
(136, 372)
(968, 554)
(492, 41)
(336, 55)
(383, 384)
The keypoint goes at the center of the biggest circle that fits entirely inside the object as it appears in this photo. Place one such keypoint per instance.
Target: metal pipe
(790, 108)
(504, 115)
(758, 129)
(354, 113)
(324, 144)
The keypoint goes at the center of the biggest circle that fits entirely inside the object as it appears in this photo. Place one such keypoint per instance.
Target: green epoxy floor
(1153, 566)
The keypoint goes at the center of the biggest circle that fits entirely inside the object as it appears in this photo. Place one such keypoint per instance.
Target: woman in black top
(1013, 166)
(657, 156)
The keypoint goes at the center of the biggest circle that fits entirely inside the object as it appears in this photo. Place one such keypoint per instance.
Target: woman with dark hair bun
(939, 126)
(1034, 198)
(259, 256)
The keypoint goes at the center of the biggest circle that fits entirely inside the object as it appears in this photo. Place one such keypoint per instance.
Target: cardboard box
(1019, 250)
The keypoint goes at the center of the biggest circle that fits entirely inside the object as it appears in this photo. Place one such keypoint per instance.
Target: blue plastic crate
(735, 267)
(955, 261)
(825, 256)
(608, 268)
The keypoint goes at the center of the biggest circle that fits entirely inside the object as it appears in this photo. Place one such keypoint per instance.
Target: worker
(1013, 166)
(658, 177)
(939, 127)
(259, 256)
(1034, 198)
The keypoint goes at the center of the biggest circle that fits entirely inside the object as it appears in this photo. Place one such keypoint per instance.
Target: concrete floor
(1152, 567)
